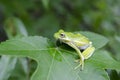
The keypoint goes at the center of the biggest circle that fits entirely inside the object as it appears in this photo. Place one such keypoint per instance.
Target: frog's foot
(81, 64)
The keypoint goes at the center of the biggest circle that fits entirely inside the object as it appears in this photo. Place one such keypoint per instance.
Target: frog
(80, 43)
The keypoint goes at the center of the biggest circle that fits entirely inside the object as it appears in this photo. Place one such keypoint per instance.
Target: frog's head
(65, 37)
(61, 35)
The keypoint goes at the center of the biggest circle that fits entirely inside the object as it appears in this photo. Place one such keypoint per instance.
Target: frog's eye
(62, 35)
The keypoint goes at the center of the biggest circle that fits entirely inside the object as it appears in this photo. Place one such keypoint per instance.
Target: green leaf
(57, 63)
(15, 27)
(117, 38)
(7, 65)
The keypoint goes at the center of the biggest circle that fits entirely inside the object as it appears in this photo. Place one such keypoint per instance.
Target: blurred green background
(45, 17)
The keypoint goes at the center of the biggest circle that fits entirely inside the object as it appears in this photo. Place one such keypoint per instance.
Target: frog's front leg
(80, 55)
(88, 52)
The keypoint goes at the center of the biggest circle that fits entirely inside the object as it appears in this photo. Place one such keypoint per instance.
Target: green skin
(78, 42)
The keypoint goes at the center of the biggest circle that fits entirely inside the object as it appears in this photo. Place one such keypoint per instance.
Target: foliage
(53, 62)
(21, 18)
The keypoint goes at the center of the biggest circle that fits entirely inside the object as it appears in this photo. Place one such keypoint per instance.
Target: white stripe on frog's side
(83, 47)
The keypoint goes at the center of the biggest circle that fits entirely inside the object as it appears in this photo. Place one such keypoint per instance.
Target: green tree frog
(80, 43)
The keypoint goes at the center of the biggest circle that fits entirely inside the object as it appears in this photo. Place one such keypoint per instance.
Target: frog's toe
(81, 64)
(77, 66)
(77, 60)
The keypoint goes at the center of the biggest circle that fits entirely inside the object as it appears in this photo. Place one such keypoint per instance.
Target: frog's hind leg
(88, 52)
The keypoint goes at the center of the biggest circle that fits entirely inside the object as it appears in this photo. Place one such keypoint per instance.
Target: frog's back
(79, 38)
